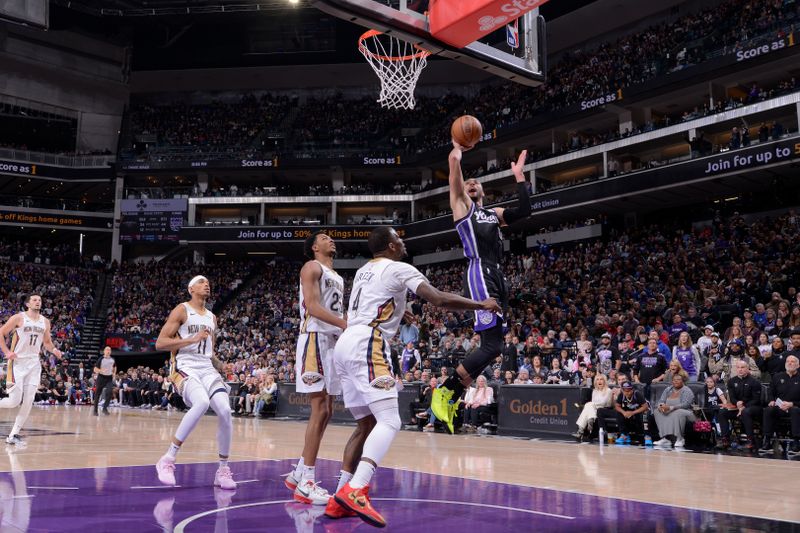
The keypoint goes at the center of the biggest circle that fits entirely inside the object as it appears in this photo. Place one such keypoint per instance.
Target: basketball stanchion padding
(461, 22)
(398, 65)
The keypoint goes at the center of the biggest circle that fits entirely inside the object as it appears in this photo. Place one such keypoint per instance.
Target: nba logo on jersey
(512, 34)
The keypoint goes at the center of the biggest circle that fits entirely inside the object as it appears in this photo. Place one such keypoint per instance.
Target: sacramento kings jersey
(480, 235)
(27, 342)
(331, 292)
(196, 355)
(378, 299)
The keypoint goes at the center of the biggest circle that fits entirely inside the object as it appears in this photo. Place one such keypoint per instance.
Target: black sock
(454, 384)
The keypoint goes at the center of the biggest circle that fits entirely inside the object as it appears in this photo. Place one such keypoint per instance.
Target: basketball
(466, 131)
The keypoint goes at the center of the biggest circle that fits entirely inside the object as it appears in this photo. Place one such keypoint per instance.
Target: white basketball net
(398, 65)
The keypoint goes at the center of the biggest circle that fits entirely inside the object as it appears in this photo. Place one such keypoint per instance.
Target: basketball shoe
(166, 471)
(224, 478)
(334, 510)
(357, 501)
(309, 492)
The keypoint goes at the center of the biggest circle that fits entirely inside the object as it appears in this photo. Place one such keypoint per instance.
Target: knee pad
(386, 412)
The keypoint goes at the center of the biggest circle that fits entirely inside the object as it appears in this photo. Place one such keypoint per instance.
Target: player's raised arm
(167, 340)
(310, 275)
(522, 210)
(459, 201)
(10, 325)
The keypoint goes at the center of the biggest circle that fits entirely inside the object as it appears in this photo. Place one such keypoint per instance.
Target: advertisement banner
(276, 233)
(34, 169)
(538, 410)
(293, 404)
(60, 219)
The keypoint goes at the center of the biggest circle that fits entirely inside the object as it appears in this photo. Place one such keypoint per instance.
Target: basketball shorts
(208, 378)
(25, 373)
(364, 363)
(314, 369)
(481, 282)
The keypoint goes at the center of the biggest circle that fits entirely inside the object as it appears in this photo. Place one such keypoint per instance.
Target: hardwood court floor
(68, 437)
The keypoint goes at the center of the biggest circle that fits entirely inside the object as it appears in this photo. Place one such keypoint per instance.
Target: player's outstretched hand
(490, 304)
(517, 167)
(58, 353)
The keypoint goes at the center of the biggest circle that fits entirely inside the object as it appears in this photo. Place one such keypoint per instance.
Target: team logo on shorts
(310, 379)
(485, 317)
(384, 383)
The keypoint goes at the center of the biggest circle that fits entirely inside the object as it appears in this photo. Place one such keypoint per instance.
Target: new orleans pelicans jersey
(378, 299)
(196, 356)
(27, 342)
(331, 291)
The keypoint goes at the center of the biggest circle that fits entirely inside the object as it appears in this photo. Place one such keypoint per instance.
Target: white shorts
(314, 370)
(209, 379)
(25, 372)
(364, 363)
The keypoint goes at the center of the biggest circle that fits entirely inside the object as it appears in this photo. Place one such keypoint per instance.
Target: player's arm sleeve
(401, 275)
(523, 207)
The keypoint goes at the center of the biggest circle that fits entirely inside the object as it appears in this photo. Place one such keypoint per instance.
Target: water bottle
(602, 436)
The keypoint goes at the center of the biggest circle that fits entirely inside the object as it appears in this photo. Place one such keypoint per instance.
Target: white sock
(223, 462)
(298, 470)
(363, 475)
(308, 473)
(344, 477)
(172, 452)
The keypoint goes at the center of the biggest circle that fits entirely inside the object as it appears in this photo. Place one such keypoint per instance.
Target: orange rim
(374, 33)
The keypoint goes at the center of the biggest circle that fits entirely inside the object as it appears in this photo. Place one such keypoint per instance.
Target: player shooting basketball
(479, 231)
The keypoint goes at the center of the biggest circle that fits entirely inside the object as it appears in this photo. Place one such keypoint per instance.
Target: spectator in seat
(724, 367)
(267, 394)
(785, 391)
(508, 378)
(706, 340)
(509, 353)
(477, 401)
(674, 367)
(673, 412)
(606, 355)
(686, 354)
(601, 397)
(629, 405)
(537, 369)
(557, 375)
(774, 362)
(523, 378)
(744, 394)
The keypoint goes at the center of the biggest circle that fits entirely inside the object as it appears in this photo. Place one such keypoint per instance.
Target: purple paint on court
(119, 499)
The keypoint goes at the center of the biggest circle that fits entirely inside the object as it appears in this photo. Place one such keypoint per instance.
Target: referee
(105, 368)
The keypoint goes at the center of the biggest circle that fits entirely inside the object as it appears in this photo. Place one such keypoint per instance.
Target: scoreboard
(146, 220)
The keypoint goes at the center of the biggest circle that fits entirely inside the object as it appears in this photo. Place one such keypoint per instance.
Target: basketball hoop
(398, 65)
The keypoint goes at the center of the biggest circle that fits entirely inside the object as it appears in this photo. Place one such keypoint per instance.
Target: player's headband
(196, 279)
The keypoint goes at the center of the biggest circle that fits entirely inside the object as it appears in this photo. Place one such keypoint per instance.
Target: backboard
(408, 20)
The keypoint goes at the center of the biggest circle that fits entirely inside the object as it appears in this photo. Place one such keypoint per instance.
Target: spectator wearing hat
(523, 378)
(629, 407)
(744, 394)
(706, 340)
(724, 366)
(606, 356)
